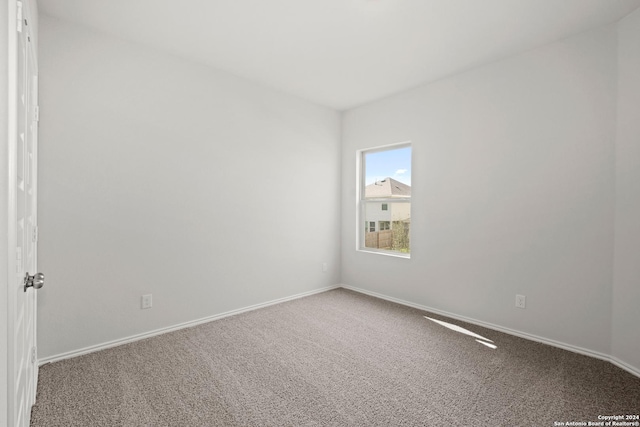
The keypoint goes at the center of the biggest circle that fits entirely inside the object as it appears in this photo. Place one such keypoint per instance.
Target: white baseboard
(584, 351)
(132, 338)
(623, 365)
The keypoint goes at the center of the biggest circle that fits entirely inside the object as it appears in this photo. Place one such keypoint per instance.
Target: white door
(22, 357)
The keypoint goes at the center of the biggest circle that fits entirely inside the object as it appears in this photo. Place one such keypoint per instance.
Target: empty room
(320, 213)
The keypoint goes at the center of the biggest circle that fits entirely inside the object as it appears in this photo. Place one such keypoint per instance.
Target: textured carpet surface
(333, 359)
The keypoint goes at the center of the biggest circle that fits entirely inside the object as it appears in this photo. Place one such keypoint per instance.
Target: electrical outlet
(325, 267)
(521, 301)
(147, 301)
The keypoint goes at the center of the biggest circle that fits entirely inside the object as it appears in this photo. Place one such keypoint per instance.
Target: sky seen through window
(395, 164)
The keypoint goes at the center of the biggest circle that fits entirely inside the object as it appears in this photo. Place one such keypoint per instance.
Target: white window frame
(361, 202)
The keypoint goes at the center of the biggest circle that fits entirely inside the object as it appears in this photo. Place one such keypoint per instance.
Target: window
(385, 199)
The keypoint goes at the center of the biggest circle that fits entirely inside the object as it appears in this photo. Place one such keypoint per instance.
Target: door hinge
(33, 355)
(19, 16)
(35, 234)
(36, 113)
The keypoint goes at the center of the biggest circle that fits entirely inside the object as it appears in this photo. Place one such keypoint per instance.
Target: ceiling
(341, 53)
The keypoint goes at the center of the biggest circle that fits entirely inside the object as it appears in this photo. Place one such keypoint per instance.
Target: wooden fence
(378, 239)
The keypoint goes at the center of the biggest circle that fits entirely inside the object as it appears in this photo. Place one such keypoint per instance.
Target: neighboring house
(381, 216)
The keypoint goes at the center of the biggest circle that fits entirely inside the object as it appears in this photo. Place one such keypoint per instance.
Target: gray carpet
(333, 359)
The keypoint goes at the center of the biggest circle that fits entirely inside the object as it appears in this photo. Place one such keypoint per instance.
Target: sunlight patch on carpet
(493, 346)
(463, 331)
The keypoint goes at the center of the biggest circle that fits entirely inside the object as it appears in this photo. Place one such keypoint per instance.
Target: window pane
(388, 173)
(393, 226)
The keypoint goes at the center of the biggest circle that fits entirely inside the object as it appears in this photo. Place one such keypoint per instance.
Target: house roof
(387, 187)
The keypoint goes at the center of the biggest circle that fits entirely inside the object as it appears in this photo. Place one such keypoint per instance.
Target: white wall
(512, 187)
(166, 177)
(626, 284)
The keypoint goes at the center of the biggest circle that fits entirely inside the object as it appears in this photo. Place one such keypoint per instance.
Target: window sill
(385, 253)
